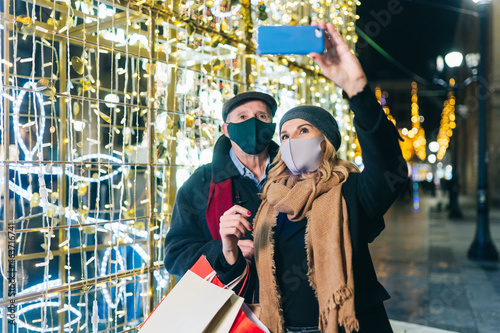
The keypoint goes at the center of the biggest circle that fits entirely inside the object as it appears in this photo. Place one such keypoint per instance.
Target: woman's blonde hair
(328, 165)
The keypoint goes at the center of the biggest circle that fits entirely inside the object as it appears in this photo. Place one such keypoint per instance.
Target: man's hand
(233, 226)
(246, 246)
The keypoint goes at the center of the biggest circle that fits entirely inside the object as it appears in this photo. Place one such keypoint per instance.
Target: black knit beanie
(319, 118)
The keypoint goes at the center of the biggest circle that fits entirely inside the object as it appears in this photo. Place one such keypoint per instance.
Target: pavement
(421, 259)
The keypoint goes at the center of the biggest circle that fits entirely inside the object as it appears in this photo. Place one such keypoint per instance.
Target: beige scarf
(328, 246)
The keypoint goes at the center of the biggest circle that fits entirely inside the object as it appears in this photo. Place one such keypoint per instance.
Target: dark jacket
(370, 193)
(368, 196)
(189, 236)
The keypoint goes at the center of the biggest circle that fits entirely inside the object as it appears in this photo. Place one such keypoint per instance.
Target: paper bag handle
(235, 282)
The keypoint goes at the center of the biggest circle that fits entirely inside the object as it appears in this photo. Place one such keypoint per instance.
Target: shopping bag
(203, 269)
(247, 322)
(194, 305)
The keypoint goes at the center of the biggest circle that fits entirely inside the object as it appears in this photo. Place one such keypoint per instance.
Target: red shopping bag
(203, 269)
(247, 322)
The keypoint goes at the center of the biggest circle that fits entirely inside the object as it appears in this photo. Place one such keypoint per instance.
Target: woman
(319, 213)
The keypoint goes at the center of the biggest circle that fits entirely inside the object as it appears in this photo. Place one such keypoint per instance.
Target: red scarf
(220, 199)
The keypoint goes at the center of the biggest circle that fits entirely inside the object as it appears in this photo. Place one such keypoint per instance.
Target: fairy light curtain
(106, 109)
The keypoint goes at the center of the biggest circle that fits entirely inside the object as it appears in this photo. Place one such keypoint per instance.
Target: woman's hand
(233, 225)
(338, 63)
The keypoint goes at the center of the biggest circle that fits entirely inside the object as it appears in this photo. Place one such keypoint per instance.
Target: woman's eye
(304, 130)
(284, 137)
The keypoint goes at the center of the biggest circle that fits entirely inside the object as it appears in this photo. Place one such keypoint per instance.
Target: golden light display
(107, 108)
(381, 97)
(414, 143)
(407, 144)
(446, 126)
(417, 133)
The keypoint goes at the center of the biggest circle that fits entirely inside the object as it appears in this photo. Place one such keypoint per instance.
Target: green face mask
(252, 135)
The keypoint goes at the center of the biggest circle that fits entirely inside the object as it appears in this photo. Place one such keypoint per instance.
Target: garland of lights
(44, 304)
(15, 118)
(122, 232)
(408, 145)
(417, 132)
(121, 284)
(48, 169)
(446, 126)
(414, 142)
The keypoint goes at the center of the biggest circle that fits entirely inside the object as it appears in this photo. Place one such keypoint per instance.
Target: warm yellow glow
(447, 125)
(414, 139)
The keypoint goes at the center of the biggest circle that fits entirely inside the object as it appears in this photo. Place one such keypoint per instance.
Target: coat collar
(223, 167)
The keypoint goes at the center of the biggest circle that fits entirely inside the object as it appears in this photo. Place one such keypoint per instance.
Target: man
(228, 187)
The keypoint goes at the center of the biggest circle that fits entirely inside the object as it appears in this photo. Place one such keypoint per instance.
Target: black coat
(370, 193)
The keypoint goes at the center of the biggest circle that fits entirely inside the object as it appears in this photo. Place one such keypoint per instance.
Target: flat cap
(248, 96)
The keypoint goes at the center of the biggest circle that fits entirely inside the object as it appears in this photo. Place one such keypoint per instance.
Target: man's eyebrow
(241, 111)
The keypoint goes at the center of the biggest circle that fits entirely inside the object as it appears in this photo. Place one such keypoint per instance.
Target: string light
(408, 143)
(104, 270)
(446, 126)
(67, 308)
(55, 170)
(414, 142)
(417, 133)
(16, 108)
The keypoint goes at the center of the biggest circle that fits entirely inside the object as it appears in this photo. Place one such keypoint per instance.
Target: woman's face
(299, 129)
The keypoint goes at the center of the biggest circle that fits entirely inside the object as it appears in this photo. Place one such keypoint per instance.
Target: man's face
(252, 109)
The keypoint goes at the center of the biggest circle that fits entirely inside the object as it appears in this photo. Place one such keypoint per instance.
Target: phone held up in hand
(292, 39)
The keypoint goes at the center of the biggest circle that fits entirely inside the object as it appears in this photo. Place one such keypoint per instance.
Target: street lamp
(454, 59)
(482, 247)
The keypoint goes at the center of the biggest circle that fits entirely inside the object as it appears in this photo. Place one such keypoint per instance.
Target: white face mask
(302, 155)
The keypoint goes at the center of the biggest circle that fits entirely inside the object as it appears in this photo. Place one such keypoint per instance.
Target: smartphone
(291, 39)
